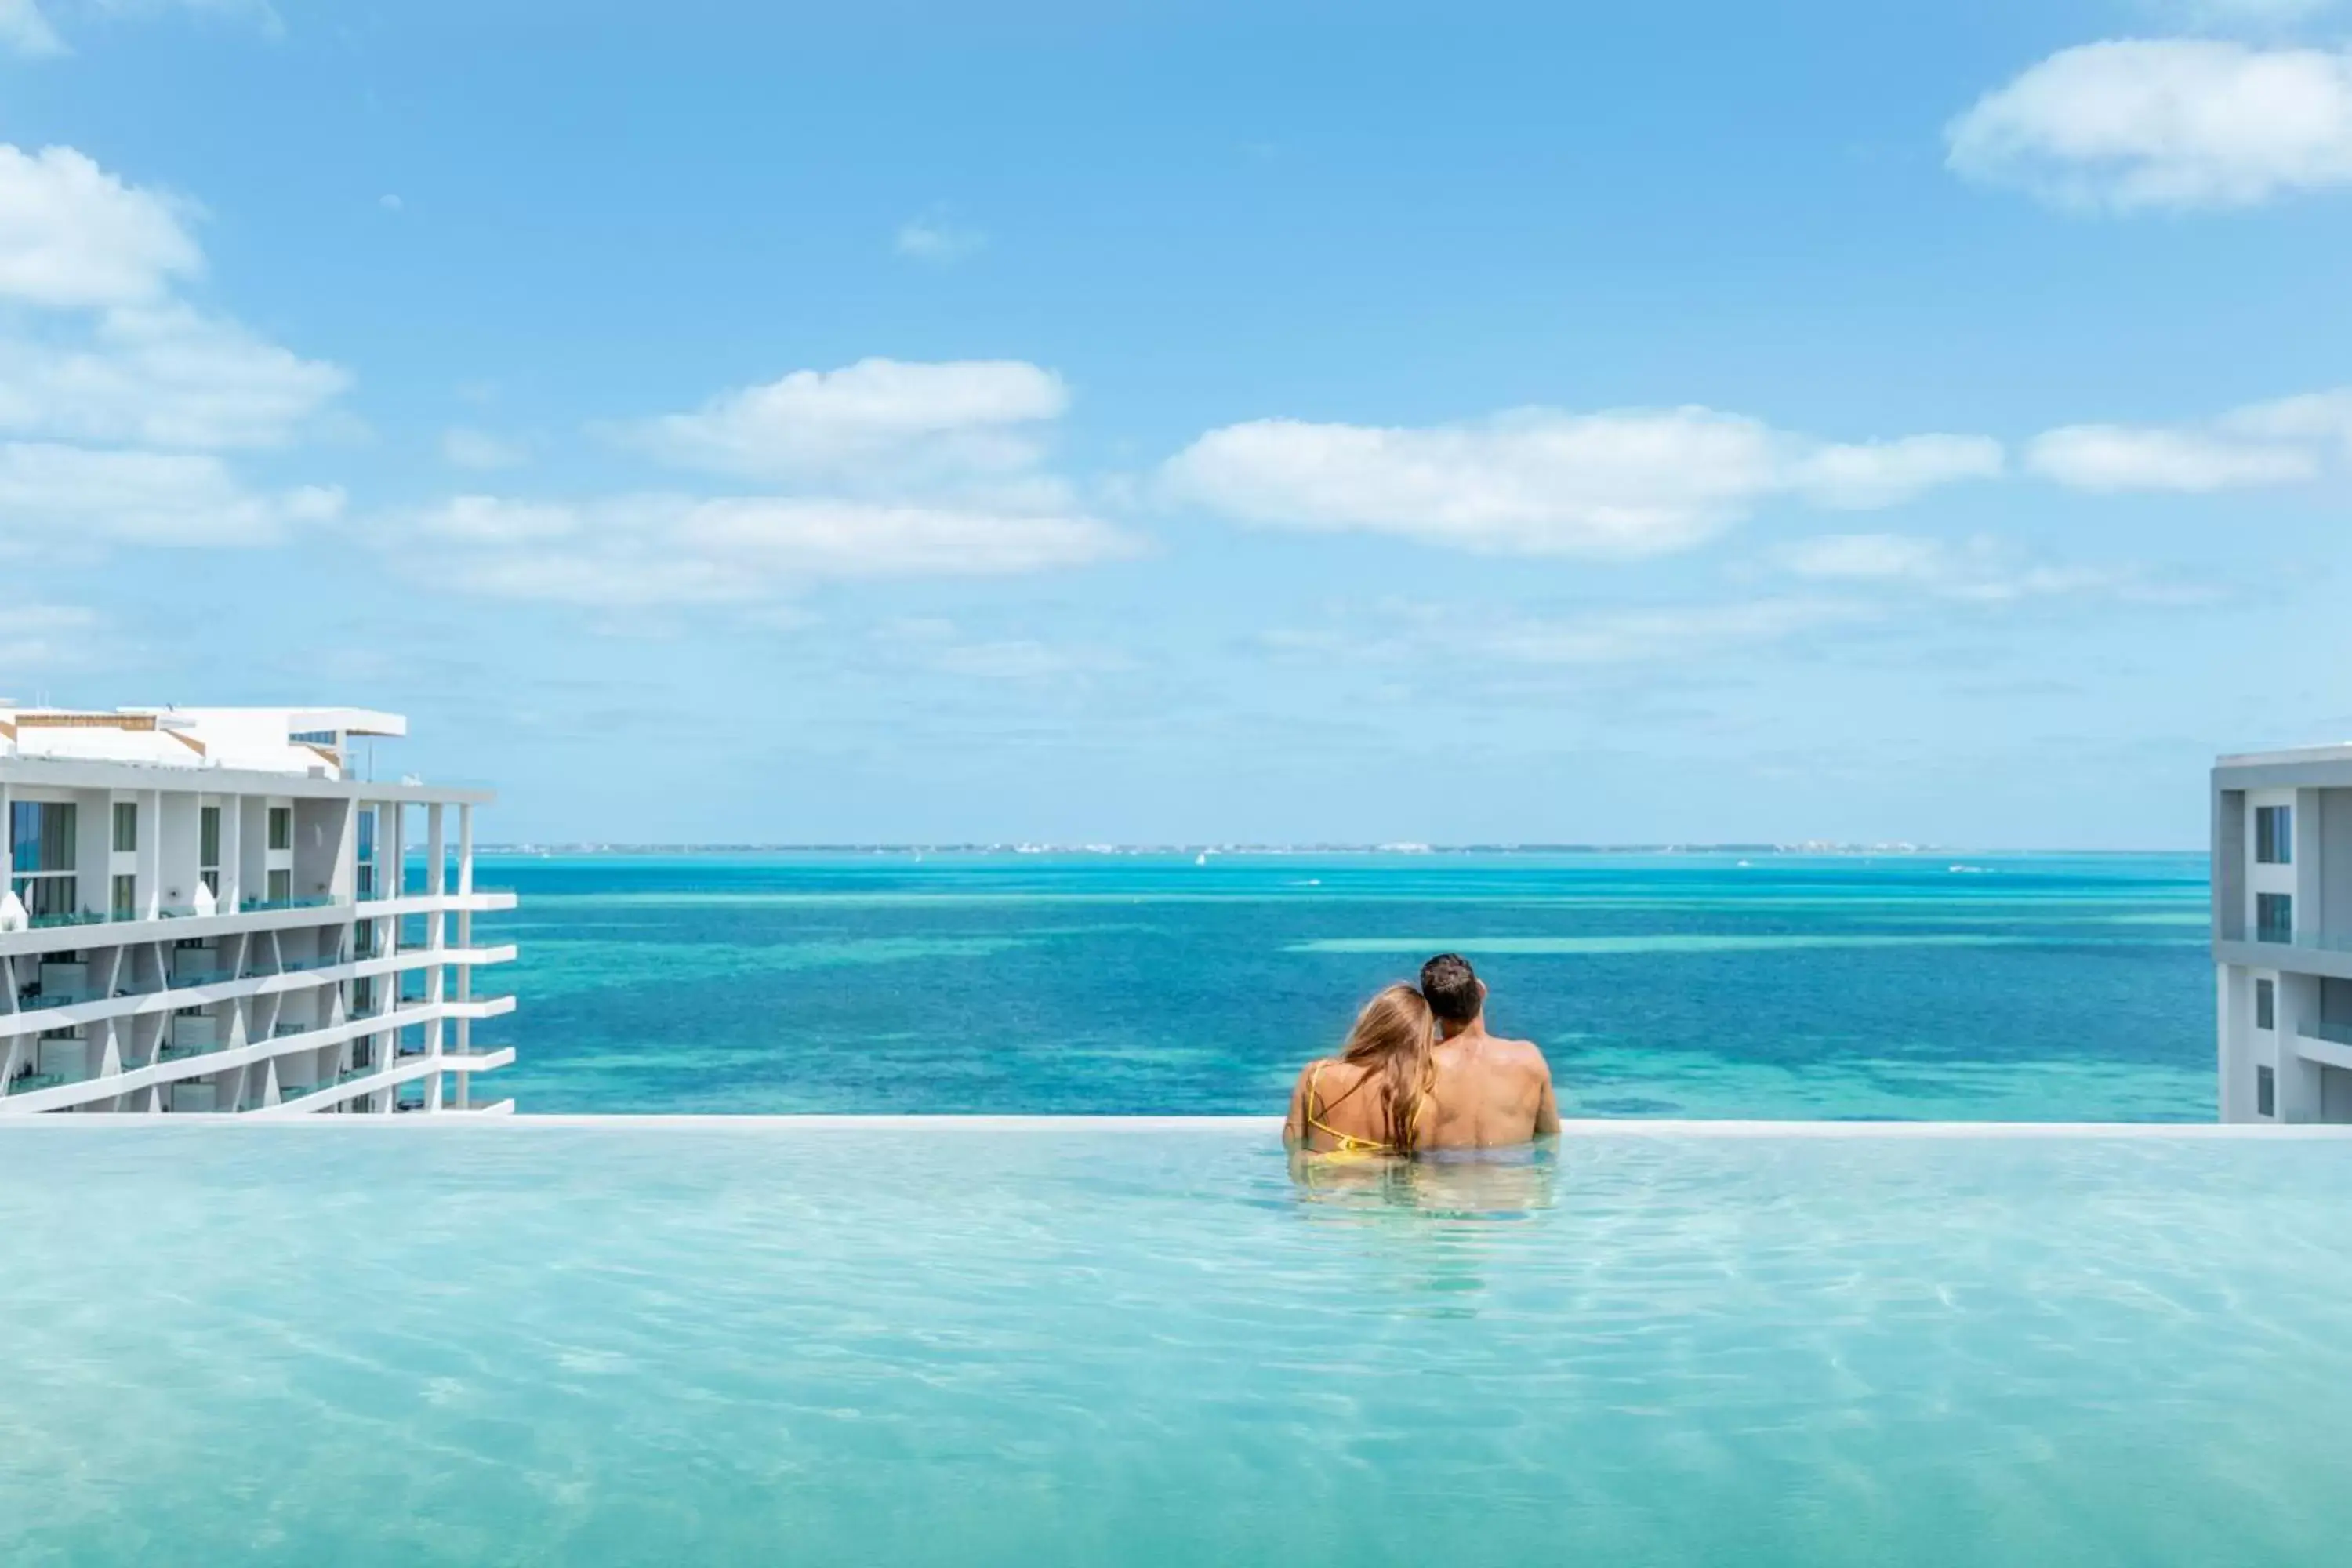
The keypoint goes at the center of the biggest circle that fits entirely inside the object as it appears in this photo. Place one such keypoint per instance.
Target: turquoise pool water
(975, 1346)
(2020, 987)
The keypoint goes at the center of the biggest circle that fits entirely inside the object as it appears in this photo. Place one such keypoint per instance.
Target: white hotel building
(205, 912)
(2282, 933)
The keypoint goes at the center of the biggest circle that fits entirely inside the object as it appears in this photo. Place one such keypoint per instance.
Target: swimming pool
(1066, 1343)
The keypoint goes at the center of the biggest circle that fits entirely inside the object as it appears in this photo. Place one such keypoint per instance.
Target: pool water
(988, 1344)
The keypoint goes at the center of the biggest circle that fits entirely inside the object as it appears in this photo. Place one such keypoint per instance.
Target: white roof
(259, 740)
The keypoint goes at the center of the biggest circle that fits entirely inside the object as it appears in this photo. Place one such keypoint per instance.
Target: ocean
(2027, 987)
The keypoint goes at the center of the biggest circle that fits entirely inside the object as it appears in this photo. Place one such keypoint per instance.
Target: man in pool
(1485, 1090)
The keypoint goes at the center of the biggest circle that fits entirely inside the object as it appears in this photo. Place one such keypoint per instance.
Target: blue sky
(1143, 422)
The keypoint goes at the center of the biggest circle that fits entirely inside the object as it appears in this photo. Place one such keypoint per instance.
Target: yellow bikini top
(1349, 1143)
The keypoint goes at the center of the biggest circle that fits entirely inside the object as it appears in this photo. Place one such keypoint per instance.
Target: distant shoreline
(1791, 851)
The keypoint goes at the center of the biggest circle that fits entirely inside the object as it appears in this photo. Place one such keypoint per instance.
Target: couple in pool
(1419, 1072)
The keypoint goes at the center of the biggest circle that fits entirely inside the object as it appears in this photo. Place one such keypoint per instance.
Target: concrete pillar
(150, 855)
(2312, 916)
(2298, 1080)
(437, 936)
(465, 941)
(230, 896)
(2234, 1064)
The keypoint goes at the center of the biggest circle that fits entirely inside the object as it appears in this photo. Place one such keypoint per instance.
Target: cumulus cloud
(71, 497)
(160, 376)
(73, 235)
(2111, 457)
(1980, 570)
(2285, 441)
(119, 395)
(478, 449)
(25, 30)
(1543, 481)
(2172, 123)
(665, 550)
(879, 421)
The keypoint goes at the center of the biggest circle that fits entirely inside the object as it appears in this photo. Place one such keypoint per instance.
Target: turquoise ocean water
(2035, 987)
(382, 1344)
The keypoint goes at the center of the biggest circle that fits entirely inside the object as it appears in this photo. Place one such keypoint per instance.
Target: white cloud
(1417, 633)
(935, 643)
(2284, 441)
(879, 420)
(45, 634)
(132, 389)
(73, 236)
(480, 451)
(1980, 570)
(2174, 122)
(71, 497)
(1867, 557)
(1877, 474)
(934, 238)
(2256, 11)
(162, 376)
(1543, 481)
(2112, 457)
(1651, 634)
(677, 549)
(25, 30)
(2322, 418)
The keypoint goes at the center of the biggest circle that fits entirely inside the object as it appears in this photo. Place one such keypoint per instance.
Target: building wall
(2335, 878)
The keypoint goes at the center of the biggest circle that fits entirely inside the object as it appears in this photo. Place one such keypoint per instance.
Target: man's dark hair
(1451, 988)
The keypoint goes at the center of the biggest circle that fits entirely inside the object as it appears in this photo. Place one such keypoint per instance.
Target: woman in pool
(1373, 1098)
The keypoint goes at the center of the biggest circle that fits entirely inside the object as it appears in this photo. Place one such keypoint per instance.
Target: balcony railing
(26, 1083)
(56, 921)
(2312, 941)
(276, 906)
(2334, 1034)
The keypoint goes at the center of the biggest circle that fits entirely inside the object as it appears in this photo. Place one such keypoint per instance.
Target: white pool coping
(1266, 1126)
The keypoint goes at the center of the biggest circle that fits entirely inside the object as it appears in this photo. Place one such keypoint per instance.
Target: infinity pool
(991, 1343)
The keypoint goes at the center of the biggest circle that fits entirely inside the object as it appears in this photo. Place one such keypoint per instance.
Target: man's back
(1490, 1091)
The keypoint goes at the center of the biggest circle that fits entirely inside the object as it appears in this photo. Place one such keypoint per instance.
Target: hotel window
(2266, 1092)
(282, 887)
(2265, 1005)
(126, 898)
(2273, 916)
(363, 884)
(208, 847)
(281, 828)
(126, 827)
(2275, 834)
(41, 836)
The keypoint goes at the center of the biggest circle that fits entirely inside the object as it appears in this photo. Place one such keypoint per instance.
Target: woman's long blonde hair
(1393, 1037)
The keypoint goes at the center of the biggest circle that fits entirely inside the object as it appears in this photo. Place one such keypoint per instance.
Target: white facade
(2283, 934)
(205, 912)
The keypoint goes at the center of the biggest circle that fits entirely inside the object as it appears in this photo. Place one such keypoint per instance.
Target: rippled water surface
(2025, 987)
(966, 1345)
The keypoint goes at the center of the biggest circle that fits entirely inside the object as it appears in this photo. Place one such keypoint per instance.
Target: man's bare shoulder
(1523, 1053)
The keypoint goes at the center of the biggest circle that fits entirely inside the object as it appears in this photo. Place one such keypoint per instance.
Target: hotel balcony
(2301, 951)
(71, 1089)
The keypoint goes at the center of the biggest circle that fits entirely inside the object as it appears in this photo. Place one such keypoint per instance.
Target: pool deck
(1268, 1126)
